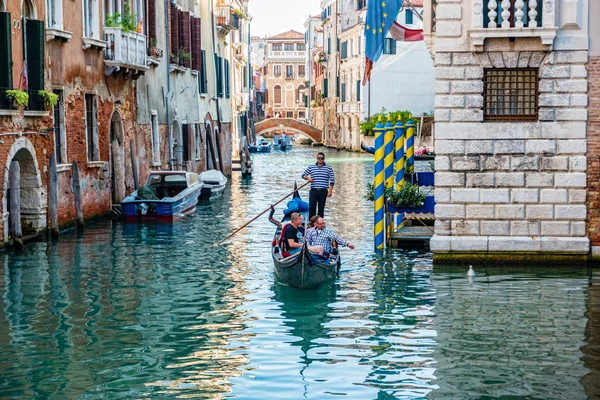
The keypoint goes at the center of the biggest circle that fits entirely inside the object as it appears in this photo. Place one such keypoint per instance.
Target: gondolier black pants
(317, 197)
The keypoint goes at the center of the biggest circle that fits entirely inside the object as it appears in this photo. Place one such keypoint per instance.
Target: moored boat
(282, 143)
(303, 270)
(261, 146)
(168, 195)
(213, 184)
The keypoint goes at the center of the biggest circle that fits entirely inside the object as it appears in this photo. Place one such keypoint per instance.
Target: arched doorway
(28, 9)
(117, 162)
(32, 200)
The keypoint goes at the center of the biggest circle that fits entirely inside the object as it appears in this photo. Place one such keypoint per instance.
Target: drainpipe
(167, 4)
(310, 61)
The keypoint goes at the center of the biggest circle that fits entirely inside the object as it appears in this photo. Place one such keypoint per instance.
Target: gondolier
(322, 179)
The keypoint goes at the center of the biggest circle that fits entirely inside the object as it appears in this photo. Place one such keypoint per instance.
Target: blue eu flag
(381, 15)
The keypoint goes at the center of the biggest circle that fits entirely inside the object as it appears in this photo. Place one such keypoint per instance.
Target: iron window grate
(511, 94)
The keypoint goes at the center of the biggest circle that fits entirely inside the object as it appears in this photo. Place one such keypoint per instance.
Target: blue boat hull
(167, 209)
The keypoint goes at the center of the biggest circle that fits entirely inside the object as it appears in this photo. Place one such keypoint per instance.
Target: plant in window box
(184, 55)
(153, 51)
(50, 99)
(173, 58)
(19, 98)
(240, 13)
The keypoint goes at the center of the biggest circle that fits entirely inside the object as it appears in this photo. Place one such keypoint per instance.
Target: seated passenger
(293, 237)
(322, 236)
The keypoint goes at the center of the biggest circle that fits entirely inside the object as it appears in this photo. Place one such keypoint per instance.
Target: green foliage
(240, 14)
(51, 99)
(432, 166)
(184, 55)
(19, 97)
(408, 196)
(126, 21)
(367, 128)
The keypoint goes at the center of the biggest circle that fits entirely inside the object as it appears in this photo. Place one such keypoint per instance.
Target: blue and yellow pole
(379, 187)
(410, 143)
(388, 159)
(399, 155)
(399, 162)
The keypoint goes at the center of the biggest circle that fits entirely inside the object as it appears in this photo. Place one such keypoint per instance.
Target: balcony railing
(126, 50)
(5, 102)
(227, 19)
(36, 101)
(512, 18)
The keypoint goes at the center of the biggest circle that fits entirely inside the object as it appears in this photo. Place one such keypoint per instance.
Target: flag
(402, 34)
(381, 15)
(24, 79)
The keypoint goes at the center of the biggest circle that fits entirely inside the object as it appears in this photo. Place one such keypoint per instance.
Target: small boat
(261, 146)
(168, 195)
(370, 150)
(303, 270)
(282, 143)
(213, 184)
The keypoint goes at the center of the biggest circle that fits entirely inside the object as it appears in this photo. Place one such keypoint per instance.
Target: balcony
(512, 19)
(36, 101)
(227, 19)
(126, 52)
(5, 103)
(241, 51)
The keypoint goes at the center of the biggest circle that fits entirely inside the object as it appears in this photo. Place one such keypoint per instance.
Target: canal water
(157, 311)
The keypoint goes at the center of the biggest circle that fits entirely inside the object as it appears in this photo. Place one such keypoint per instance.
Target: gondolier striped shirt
(323, 177)
(315, 237)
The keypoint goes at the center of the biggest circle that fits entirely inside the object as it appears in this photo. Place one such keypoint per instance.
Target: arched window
(300, 94)
(277, 94)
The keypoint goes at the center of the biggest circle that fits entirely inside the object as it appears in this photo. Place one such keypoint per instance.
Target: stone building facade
(285, 61)
(511, 128)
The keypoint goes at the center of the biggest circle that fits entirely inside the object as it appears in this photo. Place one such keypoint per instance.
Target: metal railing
(36, 101)
(5, 102)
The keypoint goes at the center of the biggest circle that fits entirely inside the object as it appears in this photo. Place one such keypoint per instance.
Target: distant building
(285, 56)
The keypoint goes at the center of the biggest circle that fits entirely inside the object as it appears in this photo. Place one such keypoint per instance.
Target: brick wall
(593, 177)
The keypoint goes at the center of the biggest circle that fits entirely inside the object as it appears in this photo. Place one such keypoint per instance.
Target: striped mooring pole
(388, 158)
(399, 162)
(410, 143)
(379, 231)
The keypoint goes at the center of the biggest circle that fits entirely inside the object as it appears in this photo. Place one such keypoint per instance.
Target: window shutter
(325, 87)
(337, 86)
(197, 45)
(5, 51)
(357, 90)
(227, 83)
(186, 36)
(202, 75)
(219, 75)
(174, 30)
(35, 54)
(151, 17)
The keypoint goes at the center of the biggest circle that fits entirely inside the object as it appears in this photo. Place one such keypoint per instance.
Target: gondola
(303, 270)
(365, 148)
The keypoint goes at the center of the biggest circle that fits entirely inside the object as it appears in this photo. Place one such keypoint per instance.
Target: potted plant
(173, 58)
(184, 55)
(153, 51)
(19, 98)
(50, 99)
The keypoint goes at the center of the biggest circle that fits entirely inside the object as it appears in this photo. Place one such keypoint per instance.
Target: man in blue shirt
(322, 179)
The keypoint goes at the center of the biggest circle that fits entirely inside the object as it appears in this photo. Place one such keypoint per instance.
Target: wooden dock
(412, 237)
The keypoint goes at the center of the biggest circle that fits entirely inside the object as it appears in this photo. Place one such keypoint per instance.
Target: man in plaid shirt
(320, 235)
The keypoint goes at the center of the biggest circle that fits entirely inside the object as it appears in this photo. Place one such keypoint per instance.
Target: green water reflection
(136, 311)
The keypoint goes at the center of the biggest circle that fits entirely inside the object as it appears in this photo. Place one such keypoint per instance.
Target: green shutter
(35, 54)
(325, 87)
(5, 51)
(227, 83)
(357, 90)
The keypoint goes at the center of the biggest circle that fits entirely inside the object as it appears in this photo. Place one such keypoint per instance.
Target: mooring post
(379, 187)
(388, 159)
(410, 144)
(77, 195)
(399, 162)
(54, 197)
(15, 204)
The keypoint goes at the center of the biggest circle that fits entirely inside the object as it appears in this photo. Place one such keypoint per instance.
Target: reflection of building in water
(591, 350)
(517, 335)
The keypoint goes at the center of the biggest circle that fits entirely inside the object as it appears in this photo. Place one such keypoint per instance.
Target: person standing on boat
(322, 179)
(322, 236)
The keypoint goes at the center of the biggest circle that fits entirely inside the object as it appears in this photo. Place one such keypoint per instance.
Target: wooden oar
(255, 218)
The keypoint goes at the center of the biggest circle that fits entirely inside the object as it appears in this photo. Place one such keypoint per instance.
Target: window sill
(156, 164)
(177, 68)
(96, 164)
(152, 61)
(8, 113)
(94, 43)
(194, 73)
(58, 34)
(63, 167)
(36, 113)
(478, 35)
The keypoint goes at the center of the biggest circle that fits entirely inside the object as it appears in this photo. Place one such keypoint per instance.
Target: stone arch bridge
(291, 127)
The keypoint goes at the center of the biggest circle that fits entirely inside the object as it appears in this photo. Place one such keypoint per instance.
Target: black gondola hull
(301, 272)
